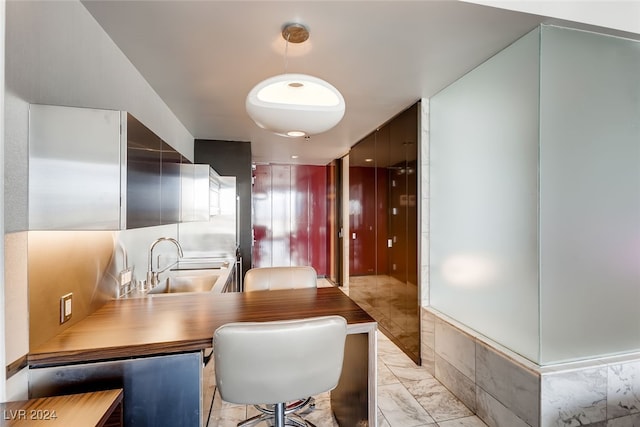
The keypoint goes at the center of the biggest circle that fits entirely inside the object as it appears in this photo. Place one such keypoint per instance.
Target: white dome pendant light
(295, 105)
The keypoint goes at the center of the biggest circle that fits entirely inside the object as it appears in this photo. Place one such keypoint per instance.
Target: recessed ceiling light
(294, 157)
(368, 160)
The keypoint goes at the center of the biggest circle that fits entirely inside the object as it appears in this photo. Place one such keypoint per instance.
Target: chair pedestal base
(295, 406)
(279, 416)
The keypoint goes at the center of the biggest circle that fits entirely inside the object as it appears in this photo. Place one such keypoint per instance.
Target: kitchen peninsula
(152, 347)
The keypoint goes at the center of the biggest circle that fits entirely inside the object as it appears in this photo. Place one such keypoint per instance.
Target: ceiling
(203, 57)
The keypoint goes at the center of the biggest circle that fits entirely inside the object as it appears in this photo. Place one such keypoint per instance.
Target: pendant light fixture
(295, 105)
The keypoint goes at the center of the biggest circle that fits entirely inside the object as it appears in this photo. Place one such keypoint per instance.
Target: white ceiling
(203, 57)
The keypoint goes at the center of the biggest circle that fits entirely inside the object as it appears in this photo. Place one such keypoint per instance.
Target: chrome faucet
(153, 276)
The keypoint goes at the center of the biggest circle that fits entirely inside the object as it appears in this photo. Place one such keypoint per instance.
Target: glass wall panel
(535, 196)
(590, 194)
(484, 198)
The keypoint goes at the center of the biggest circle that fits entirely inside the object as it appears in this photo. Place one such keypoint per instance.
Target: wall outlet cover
(126, 276)
(65, 307)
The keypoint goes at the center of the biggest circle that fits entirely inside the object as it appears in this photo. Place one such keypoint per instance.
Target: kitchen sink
(186, 281)
(201, 264)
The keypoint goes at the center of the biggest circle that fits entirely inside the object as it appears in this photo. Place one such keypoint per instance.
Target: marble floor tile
(396, 359)
(441, 404)
(220, 405)
(407, 373)
(400, 408)
(394, 305)
(416, 399)
(463, 422)
(321, 415)
(229, 417)
(382, 421)
(385, 376)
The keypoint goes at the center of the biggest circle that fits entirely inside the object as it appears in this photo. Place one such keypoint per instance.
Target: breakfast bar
(153, 347)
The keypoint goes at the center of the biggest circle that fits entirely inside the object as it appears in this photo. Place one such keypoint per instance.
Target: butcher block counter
(156, 342)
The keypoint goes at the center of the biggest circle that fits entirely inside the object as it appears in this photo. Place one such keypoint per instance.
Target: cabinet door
(187, 192)
(74, 168)
(144, 198)
(170, 185)
(153, 178)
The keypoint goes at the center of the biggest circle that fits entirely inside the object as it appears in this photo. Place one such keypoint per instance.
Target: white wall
(621, 15)
(56, 53)
(3, 388)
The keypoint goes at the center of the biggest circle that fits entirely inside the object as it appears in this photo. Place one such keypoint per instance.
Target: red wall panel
(290, 216)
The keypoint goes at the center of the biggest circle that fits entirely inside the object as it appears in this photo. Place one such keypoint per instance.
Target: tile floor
(408, 396)
(394, 305)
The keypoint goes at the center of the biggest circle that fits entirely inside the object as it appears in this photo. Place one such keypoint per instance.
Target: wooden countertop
(163, 324)
(74, 410)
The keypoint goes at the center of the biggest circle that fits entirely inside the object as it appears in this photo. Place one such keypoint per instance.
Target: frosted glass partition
(535, 197)
(484, 196)
(590, 195)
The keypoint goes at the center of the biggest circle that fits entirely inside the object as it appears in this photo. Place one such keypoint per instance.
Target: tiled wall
(501, 391)
(602, 392)
(506, 390)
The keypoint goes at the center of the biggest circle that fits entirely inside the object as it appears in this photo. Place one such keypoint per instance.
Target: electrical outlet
(124, 285)
(65, 307)
(125, 277)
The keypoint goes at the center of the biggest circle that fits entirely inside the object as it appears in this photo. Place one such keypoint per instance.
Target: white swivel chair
(255, 363)
(274, 278)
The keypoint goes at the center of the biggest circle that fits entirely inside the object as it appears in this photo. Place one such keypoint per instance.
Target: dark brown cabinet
(153, 178)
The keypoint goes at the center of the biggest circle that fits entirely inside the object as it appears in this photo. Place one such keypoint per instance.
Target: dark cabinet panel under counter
(159, 391)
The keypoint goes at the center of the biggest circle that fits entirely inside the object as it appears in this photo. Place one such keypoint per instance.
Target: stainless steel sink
(201, 264)
(186, 281)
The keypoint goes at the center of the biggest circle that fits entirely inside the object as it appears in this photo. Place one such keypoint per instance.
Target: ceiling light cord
(286, 53)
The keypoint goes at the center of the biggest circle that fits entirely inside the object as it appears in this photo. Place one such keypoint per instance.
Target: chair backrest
(278, 361)
(273, 278)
